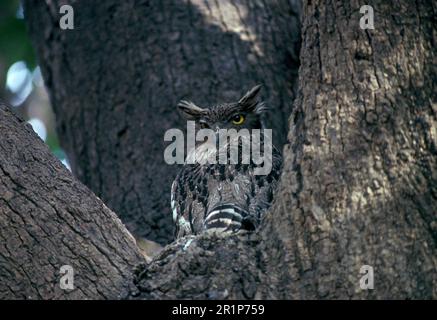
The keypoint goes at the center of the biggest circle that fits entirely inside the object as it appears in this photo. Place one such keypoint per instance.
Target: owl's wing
(264, 187)
(189, 198)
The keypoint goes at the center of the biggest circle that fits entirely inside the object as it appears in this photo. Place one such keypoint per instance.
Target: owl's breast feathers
(222, 197)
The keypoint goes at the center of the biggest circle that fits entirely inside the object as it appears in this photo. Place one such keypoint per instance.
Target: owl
(227, 198)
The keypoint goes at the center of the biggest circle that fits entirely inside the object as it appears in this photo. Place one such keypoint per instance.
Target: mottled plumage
(223, 197)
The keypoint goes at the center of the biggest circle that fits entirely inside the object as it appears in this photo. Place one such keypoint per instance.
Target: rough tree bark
(360, 181)
(48, 219)
(116, 78)
(359, 185)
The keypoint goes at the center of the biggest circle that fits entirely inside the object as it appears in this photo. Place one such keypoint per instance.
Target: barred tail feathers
(225, 217)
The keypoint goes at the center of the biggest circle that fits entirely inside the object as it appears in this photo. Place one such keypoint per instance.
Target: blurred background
(21, 83)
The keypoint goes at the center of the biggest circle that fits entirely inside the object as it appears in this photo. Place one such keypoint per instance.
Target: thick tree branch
(48, 219)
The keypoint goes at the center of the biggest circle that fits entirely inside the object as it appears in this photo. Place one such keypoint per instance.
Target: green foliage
(14, 41)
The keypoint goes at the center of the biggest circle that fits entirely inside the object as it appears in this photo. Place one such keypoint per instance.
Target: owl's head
(247, 113)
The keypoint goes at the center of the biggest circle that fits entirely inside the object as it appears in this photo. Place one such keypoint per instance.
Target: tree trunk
(116, 78)
(359, 185)
(48, 219)
(360, 179)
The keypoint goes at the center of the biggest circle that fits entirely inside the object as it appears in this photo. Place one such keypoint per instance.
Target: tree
(359, 180)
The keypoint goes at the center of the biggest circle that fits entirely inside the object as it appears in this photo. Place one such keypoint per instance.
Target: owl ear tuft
(189, 110)
(250, 100)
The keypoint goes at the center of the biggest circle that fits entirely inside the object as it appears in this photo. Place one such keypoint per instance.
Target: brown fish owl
(223, 197)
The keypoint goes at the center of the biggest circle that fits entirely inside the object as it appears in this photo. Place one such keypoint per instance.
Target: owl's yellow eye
(237, 119)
